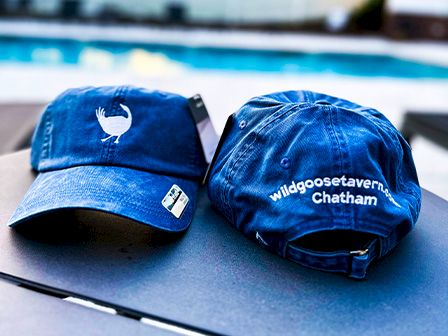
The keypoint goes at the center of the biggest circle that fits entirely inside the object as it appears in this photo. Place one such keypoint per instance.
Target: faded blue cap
(122, 150)
(316, 179)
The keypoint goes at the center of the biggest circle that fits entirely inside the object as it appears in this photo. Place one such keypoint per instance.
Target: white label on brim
(175, 201)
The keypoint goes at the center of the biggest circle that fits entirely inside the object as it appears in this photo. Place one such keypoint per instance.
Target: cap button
(242, 124)
(285, 163)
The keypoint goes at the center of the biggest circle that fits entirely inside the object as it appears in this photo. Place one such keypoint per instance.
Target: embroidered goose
(115, 125)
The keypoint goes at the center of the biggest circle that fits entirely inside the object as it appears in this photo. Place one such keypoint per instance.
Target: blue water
(55, 52)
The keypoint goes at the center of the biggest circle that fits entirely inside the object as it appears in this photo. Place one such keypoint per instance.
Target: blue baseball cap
(317, 179)
(123, 150)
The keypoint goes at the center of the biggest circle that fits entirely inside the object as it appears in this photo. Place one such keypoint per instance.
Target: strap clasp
(359, 252)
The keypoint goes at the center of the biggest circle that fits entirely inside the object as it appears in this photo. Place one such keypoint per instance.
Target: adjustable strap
(353, 263)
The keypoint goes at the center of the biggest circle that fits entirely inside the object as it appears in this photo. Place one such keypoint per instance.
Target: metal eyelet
(285, 163)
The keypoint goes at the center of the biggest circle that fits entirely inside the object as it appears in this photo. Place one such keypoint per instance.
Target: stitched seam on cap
(309, 96)
(46, 146)
(255, 133)
(400, 177)
(247, 148)
(343, 150)
(401, 186)
(333, 131)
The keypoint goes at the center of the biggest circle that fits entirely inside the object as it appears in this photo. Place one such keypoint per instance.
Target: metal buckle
(359, 252)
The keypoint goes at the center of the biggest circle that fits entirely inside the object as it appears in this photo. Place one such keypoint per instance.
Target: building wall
(436, 8)
(417, 19)
(225, 11)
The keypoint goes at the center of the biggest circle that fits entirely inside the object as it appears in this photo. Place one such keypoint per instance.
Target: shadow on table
(72, 227)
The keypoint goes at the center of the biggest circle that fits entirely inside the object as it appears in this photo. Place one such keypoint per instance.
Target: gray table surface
(17, 124)
(215, 280)
(26, 312)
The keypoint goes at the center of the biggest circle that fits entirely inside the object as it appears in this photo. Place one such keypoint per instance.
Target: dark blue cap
(123, 150)
(316, 179)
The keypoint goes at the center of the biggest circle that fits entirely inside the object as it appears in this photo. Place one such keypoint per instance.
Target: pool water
(57, 52)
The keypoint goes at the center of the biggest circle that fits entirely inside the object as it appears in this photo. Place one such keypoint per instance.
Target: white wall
(419, 7)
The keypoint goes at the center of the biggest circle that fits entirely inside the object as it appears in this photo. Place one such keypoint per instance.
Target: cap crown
(274, 177)
(119, 126)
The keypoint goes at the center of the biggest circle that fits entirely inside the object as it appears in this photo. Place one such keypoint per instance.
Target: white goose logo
(115, 125)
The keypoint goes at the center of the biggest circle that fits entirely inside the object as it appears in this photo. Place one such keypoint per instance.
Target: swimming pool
(57, 52)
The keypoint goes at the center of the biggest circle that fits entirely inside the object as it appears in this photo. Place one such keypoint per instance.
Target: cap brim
(120, 191)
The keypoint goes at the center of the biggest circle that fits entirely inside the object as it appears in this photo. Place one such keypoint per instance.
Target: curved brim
(120, 191)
